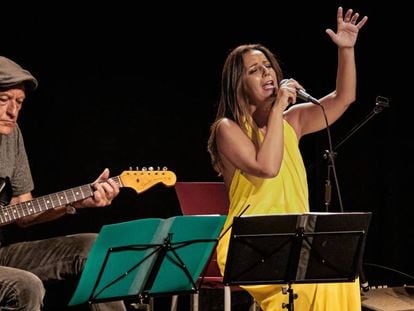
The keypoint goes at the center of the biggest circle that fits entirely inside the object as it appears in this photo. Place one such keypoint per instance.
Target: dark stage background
(127, 85)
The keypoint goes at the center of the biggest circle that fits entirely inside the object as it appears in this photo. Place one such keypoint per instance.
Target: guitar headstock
(141, 180)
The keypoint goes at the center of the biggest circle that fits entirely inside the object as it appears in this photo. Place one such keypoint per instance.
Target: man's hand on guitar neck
(26, 210)
(105, 190)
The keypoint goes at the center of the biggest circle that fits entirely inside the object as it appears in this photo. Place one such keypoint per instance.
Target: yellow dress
(285, 193)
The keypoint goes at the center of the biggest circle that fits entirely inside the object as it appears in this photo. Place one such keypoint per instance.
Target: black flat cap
(12, 74)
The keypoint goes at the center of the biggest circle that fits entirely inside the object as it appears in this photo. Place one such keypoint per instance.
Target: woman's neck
(260, 114)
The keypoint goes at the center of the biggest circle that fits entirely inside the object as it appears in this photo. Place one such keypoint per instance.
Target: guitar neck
(13, 212)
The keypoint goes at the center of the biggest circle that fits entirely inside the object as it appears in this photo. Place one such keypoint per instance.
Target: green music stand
(148, 257)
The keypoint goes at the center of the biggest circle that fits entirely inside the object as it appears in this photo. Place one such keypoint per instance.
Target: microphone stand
(380, 103)
(329, 155)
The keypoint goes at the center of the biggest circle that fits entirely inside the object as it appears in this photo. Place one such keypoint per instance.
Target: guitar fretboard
(13, 212)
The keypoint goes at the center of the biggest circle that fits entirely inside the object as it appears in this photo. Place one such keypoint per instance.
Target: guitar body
(140, 181)
(6, 192)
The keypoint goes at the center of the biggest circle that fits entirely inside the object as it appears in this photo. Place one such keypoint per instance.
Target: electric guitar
(138, 180)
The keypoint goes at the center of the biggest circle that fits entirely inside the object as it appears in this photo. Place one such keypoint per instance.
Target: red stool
(204, 198)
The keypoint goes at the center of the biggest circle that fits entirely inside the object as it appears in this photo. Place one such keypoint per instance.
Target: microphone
(306, 97)
(303, 95)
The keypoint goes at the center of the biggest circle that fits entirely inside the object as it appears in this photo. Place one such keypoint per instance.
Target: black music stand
(148, 257)
(296, 248)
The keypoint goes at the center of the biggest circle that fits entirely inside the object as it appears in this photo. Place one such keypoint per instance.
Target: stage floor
(389, 299)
